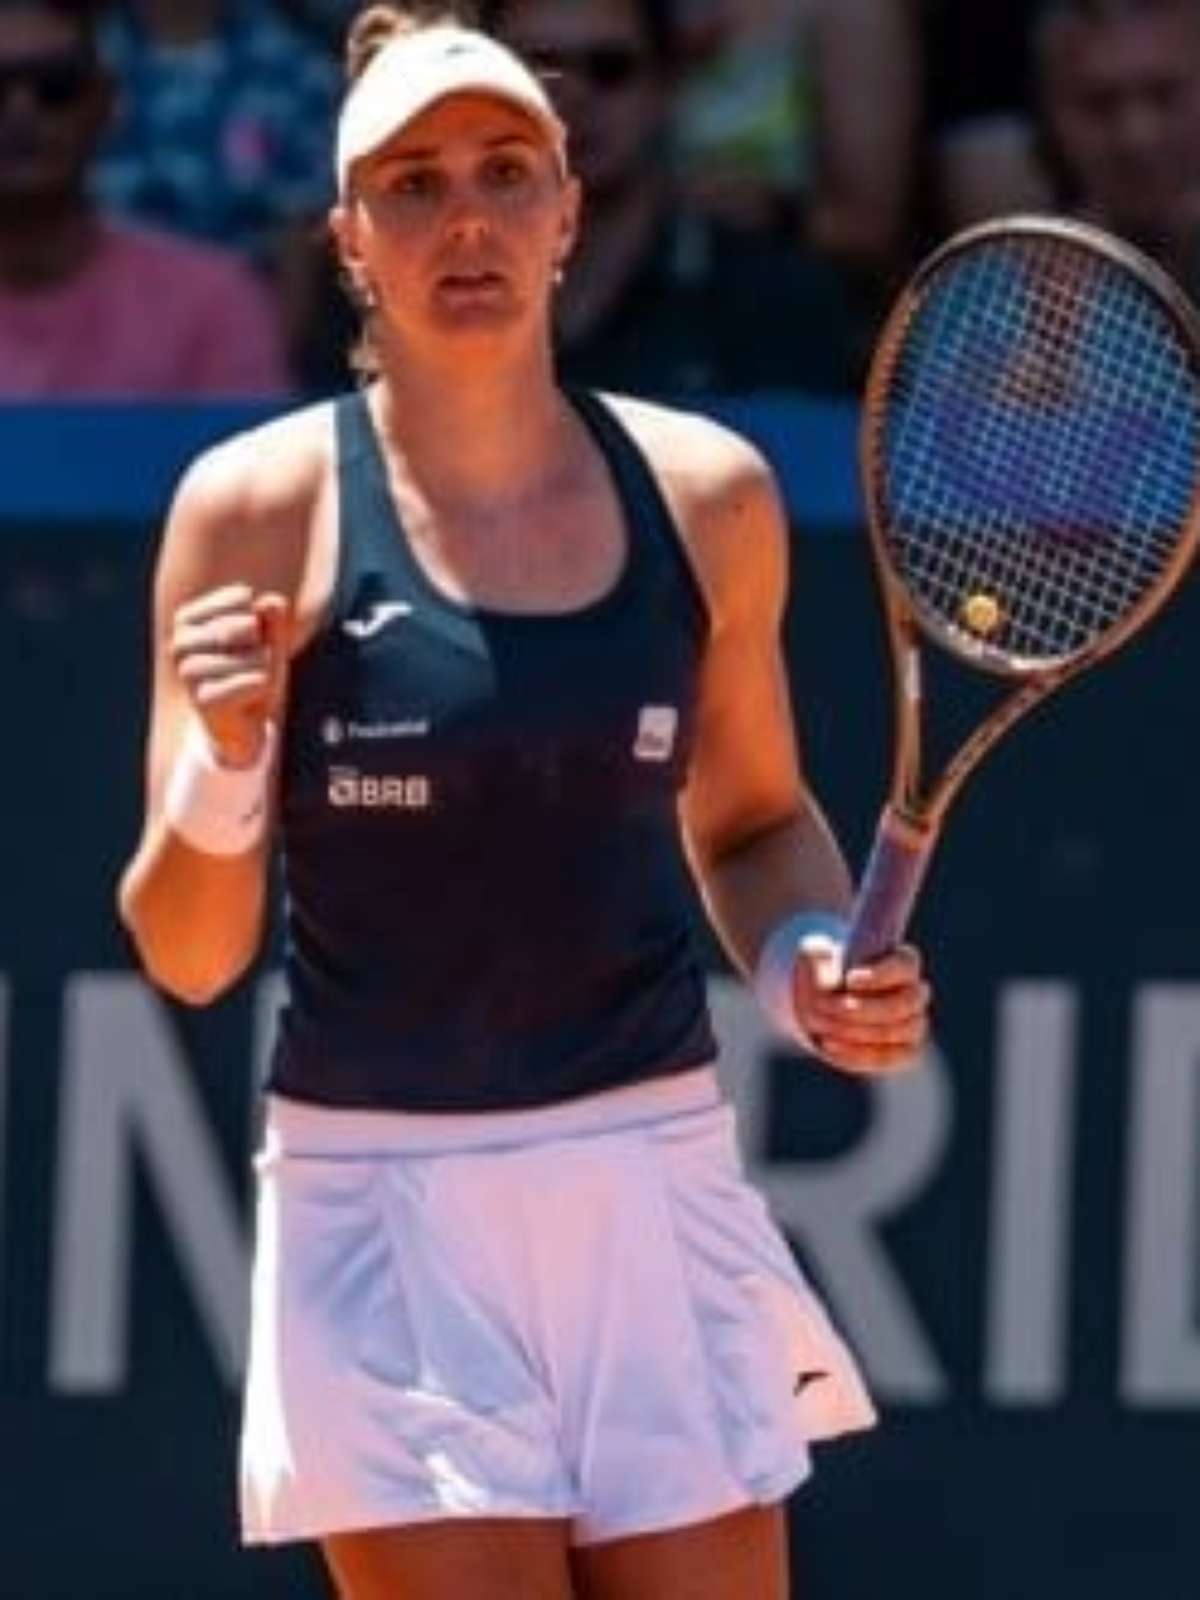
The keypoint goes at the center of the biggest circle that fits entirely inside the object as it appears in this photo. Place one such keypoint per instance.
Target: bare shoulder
(264, 470)
(720, 489)
(244, 508)
(693, 452)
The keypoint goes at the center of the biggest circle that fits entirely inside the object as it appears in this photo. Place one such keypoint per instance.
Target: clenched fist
(230, 650)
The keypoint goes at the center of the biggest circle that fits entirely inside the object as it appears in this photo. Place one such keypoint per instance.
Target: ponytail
(377, 25)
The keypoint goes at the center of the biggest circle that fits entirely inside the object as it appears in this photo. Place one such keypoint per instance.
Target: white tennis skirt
(581, 1312)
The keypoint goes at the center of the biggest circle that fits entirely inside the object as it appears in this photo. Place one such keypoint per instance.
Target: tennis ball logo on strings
(981, 614)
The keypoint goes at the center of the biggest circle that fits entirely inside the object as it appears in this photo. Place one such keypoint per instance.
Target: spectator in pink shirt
(91, 308)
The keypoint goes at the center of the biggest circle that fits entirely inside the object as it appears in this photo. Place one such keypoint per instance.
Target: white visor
(415, 70)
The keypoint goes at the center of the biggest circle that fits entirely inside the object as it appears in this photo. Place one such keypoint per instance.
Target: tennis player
(497, 665)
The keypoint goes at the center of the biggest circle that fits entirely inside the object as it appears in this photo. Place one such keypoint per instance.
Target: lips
(468, 281)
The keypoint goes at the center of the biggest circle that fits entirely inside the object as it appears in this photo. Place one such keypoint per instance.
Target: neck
(476, 445)
(1171, 240)
(1175, 247)
(39, 251)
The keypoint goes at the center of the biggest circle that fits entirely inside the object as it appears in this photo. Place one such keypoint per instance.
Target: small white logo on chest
(376, 619)
(335, 732)
(656, 731)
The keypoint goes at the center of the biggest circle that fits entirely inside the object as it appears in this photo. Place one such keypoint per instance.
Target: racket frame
(911, 820)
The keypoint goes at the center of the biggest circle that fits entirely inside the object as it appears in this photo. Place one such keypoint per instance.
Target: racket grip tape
(888, 891)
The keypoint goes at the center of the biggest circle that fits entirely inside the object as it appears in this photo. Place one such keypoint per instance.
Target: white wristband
(219, 810)
(774, 971)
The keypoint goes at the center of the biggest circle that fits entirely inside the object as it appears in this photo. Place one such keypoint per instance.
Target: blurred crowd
(760, 175)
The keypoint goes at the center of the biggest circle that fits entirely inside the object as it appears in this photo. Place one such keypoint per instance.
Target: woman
(499, 660)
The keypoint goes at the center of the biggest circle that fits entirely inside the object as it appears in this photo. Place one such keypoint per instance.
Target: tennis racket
(1030, 452)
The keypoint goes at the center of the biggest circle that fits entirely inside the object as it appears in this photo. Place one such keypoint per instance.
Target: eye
(507, 171)
(413, 183)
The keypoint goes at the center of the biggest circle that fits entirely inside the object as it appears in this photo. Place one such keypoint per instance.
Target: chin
(485, 318)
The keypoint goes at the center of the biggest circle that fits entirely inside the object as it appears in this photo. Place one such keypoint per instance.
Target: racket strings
(1039, 446)
(1076, 589)
(1064, 609)
(1079, 587)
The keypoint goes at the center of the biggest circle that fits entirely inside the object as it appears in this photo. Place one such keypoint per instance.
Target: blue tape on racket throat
(774, 971)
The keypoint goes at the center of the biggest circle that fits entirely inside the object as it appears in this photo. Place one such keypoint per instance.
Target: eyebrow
(429, 152)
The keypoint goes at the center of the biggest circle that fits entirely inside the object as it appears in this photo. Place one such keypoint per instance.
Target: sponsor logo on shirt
(351, 790)
(377, 618)
(336, 730)
(656, 731)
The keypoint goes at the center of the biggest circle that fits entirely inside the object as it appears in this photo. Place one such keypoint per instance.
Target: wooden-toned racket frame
(906, 620)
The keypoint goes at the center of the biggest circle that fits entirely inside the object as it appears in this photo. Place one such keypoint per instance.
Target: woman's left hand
(874, 1020)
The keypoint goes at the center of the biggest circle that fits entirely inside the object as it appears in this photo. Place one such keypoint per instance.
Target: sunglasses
(601, 66)
(54, 82)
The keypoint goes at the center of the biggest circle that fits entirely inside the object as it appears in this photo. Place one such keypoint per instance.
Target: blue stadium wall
(1011, 1237)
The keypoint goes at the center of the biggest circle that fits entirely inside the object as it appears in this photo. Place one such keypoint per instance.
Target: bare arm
(219, 654)
(868, 86)
(758, 842)
(759, 845)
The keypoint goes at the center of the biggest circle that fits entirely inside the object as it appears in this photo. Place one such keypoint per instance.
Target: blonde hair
(377, 25)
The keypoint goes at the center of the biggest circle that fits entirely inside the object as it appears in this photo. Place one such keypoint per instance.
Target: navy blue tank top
(487, 903)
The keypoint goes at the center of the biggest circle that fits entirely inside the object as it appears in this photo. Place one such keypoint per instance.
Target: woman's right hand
(230, 650)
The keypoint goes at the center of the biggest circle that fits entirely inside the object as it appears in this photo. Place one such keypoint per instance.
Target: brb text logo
(351, 790)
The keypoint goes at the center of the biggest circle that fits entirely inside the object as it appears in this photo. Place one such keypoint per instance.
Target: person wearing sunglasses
(91, 308)
(1117, 103)
(654, 301)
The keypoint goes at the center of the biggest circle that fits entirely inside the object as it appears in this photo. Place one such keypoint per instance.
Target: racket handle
(888, 889)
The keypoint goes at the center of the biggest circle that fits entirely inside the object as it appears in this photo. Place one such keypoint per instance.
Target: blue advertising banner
(1010, 1237)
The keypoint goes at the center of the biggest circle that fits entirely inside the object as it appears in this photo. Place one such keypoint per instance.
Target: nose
(1139, 127)
(466, 223)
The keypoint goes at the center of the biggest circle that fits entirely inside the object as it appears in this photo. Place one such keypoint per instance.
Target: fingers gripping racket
(1030, 451)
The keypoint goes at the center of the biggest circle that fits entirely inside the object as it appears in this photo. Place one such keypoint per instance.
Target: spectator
(224, 124)
(980, 122)
(1119, 94)
(805, 115)
(659, 297)
(744, 110)
(91, 309)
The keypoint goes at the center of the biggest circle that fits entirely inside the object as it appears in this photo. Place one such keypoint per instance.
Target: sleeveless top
(487, 904)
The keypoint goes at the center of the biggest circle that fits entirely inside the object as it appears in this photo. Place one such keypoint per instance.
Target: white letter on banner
(5, 1166)
(127, 1092)
(832, 1207)
(1029, 1248)
(1161, 1322)
(269, 997)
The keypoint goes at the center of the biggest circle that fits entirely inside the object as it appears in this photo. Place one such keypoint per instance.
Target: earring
(365, 297)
